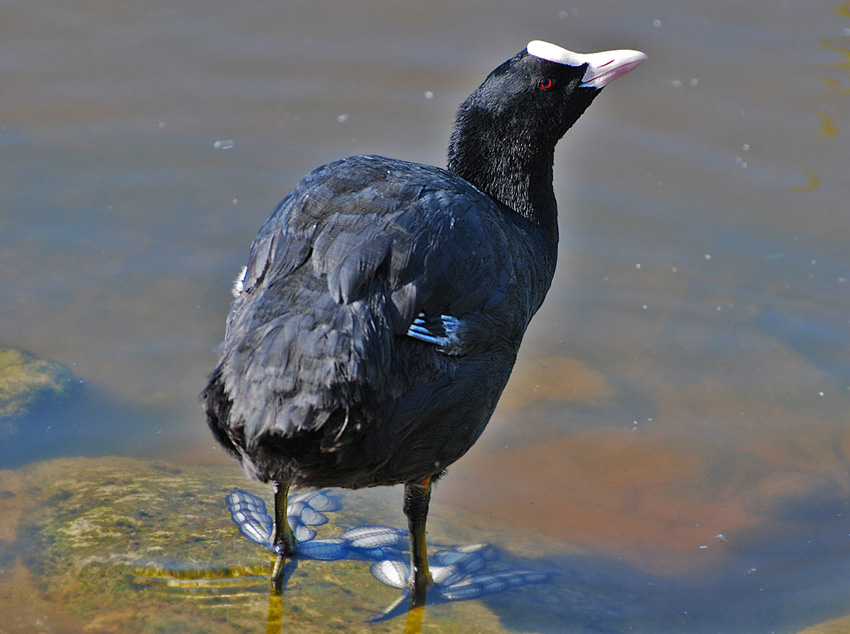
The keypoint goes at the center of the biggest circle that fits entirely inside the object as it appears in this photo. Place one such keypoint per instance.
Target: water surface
(675, 437)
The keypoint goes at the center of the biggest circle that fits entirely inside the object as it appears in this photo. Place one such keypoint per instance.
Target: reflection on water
(687, 377)
(460, 573)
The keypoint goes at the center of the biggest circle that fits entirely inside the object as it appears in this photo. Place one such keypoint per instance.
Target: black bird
(383, 304)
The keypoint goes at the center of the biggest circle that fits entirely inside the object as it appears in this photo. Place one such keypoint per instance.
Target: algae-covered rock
(24, 381)
(126, 545)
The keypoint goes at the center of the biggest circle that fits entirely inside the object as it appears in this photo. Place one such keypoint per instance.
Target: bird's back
(320, 382)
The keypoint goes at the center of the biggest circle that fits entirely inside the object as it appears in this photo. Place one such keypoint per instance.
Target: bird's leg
(284, 538)
(416, 499)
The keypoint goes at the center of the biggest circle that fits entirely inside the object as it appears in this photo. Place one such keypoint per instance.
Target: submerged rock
(24, 381)
(840, 625)
(126, 545)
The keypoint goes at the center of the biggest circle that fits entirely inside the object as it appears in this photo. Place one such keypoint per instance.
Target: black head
(509, 126)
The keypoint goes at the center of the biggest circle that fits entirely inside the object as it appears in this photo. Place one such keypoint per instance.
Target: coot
(383, 304)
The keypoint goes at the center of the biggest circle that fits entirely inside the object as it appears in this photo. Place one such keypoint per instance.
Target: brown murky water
(679, 414)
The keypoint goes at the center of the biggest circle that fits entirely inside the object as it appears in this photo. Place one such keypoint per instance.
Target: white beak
(602, 68)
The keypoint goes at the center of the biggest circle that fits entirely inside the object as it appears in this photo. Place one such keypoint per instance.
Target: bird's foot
(282, 570)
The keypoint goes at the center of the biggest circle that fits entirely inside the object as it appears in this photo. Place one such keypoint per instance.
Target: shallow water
(687, 377)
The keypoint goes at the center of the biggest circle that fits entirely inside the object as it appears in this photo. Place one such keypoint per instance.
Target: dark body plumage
(317, 368)
(384, 302)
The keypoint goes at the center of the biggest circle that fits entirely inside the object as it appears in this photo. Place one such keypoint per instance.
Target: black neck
(516, 174)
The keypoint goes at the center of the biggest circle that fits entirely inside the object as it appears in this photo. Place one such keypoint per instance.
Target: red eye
(546, 83)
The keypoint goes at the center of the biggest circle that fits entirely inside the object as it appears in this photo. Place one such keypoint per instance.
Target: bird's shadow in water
(460, 573)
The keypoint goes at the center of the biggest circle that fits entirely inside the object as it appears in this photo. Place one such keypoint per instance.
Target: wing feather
(337, 275)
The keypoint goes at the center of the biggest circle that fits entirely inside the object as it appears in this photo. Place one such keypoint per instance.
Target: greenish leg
(416, 499)
(284, 539)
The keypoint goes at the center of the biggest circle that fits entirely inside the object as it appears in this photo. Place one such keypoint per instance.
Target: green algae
(126, 545)
(25, 380)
